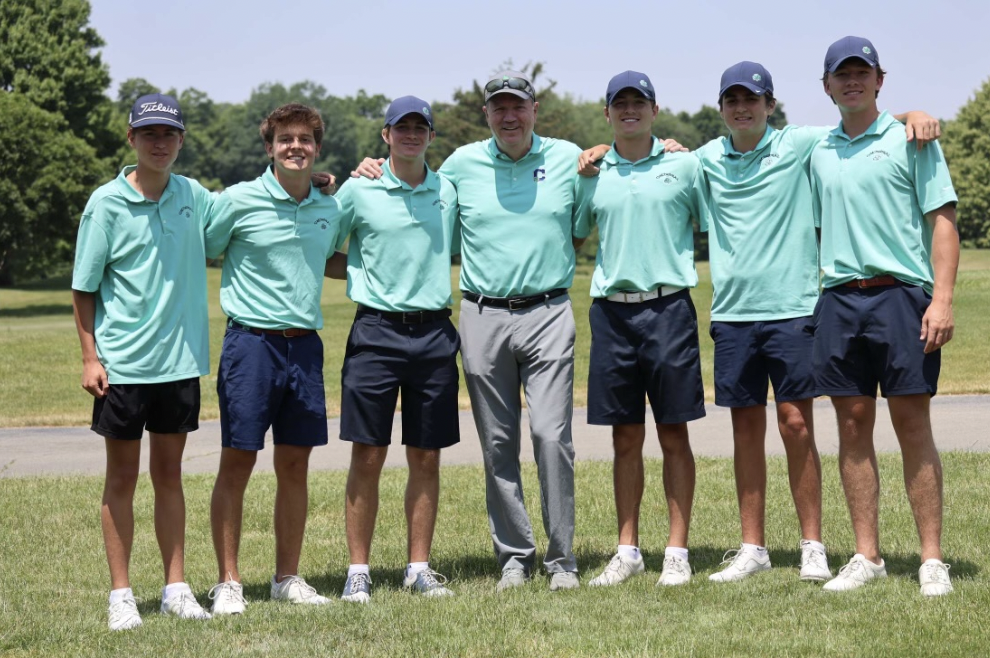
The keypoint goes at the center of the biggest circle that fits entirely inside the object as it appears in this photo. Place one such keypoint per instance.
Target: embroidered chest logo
(768, 160)
(440, 202)
(667, 177)
(323, 222)
(539, 174)
(877, 155)
(186, 211)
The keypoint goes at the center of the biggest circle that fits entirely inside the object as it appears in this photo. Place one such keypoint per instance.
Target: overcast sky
(936, 53)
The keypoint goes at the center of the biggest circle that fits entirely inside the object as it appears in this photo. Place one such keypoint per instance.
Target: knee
(166, 476)
(121, 480)
(367, 460)
(792, 427)
(425, 463)
(627, 447)
(674, 440)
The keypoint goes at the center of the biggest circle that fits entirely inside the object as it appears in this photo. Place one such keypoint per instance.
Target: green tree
(967, 151)
(46, 176)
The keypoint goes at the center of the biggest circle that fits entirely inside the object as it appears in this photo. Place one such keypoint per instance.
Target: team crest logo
(757, 77)
(440, 202)
(539, 174)
(186, 211)
(323, 223)
(667, 177)
(426, 111)
(768, 160)
(642, 83)
(877, 155)
(866, 50)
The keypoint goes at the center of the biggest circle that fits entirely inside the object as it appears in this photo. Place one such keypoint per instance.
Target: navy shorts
(385, 357)
(163, 408)
(267, 381)
(649, 349)
(749, 354)
(866, 337)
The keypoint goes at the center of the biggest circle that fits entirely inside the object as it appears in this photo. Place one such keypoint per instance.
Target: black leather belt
(407, 317)
(875, 282)
(513, 303)
(285, 333)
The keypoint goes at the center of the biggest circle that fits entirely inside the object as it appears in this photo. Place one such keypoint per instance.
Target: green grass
(54, 581)
(40, 367)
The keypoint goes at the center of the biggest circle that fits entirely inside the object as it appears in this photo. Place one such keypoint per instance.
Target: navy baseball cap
(750, 75)
(847, 47)
(510, 82)
(400, 107)
(630, 80)
(156, 110)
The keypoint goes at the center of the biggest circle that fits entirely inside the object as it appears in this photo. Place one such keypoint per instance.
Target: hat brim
(759, 91)
(157, 121)
(645, 93)
(399, 118)
(506, 90)
(839, 62)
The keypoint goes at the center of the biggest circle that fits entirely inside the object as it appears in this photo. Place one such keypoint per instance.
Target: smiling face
(854, 86)
(157, 147)
(409, 137)
(293, 150)
(631, 114)
(745, 113)
(512, 120)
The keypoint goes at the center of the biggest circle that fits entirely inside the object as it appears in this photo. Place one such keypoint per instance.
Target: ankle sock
(118, 595)
(676, 551)
(358, 568)
(627, 551)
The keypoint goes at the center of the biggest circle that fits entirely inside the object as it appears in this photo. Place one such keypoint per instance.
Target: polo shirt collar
(133, 196)
(275, 189)
(613, 157)
(497, 153)
(391, 182)
(878, 127)
(730, 150)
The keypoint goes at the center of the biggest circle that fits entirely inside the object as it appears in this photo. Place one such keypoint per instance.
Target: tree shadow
(36, 310)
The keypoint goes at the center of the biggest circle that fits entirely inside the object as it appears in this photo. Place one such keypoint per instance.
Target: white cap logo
(756, 77)
(426, 111)
(642, 83)
(866, 50)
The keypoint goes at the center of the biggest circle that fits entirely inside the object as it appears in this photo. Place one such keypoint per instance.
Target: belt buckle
(517, 303)
(286, 334)
(408, 315)
(862, 283)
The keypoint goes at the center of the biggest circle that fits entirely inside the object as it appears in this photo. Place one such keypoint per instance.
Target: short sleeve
(219, 225)
(92, 255)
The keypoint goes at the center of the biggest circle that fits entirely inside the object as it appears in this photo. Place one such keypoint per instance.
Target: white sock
(118, 595)
(358, 568)
(676, 551)
(811, 543)
(175, 588)
(760, 551)
(631, 552)
(414, 568)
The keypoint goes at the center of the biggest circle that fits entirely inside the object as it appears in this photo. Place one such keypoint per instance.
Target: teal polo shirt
(275, 251)
(762, 247)
(516, 217)
(400, 240)
(643, 211)
(145, 262)
(871, 196)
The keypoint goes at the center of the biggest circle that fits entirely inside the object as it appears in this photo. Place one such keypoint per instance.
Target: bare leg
(291, 507)
(422, 498)
(117, 510)
(749, 428)
(795, 420)
(856, 416)
(227, 508)
(170, 503)
(922, 468)
(628, 479)
(361, 499)
(678, 480)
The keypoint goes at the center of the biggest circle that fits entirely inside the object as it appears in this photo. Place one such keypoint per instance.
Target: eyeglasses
(518, 84)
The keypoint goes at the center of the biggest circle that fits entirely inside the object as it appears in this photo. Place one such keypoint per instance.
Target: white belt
(639, 297)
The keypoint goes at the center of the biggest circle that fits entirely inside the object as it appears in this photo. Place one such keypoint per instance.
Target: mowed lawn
(40, 361)
(54, 582)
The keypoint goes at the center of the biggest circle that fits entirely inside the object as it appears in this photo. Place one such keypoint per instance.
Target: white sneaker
(934, 577)
(228, 598)
(296, 590)
(742, 563)
(184, 606)
(511, 578)
(357, 589)
(814, 564)
(124, 615)
(619, 569)
(562, 580)
(857, 573)
(676, 571)
(428, 583)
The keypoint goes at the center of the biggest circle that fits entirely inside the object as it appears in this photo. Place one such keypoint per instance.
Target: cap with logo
(630, 80)
(156, 110)
(848, 47)
(406, 105)
(510, 82)
(750, 75)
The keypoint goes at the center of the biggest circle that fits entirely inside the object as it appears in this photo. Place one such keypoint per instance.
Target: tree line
(61, 135)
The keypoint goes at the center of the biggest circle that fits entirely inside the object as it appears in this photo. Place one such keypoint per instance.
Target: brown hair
(292, 114)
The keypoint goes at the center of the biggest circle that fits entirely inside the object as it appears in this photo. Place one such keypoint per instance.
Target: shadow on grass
(36, 310)
(58, 282)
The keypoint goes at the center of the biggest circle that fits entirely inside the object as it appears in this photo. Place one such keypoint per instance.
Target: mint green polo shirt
(516, 218)
(871, 196)
(762, 247)
(644, 211)
(275, 251)
(400, 240)
(145, 262)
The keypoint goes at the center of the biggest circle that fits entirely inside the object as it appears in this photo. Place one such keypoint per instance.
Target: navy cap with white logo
(400, 107)
(156, 110)
(630, 80)
(750, 75)
(848, 47)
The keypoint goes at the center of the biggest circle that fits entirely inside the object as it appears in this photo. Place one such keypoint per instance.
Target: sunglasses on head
(519, 84)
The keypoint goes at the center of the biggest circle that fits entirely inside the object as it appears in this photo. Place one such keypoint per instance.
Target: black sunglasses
(519, 84)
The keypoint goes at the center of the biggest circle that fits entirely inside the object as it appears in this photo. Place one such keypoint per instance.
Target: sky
(936, 53)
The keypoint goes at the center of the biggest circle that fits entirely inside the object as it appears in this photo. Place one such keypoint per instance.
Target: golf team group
(833, 258)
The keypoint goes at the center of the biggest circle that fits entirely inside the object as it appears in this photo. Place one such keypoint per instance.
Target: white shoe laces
(227, 592)
(306, 591)
(677, 565)
(432, 579)
(359, 582)
(937, 573)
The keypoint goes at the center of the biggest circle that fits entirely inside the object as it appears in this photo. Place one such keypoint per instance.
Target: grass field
(40, 364)
(53, 577)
